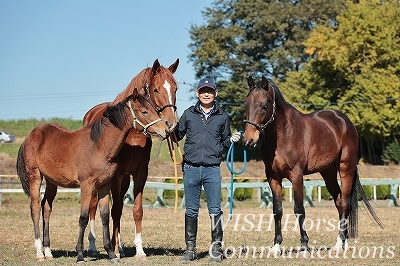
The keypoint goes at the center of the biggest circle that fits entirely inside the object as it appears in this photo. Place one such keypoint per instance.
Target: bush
(324, 193)
(242, 194)
(382, 192)
(170, 194)
(391, 154)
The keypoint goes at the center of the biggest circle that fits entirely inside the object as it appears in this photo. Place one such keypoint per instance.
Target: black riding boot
(190, 238)
(216, 254)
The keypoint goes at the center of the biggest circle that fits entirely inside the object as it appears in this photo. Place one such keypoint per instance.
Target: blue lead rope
(229, 164)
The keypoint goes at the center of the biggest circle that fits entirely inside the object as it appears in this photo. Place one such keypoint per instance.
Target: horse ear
(174, 66)
(264, 83)
(250, 82)
(135, 94)
(156, 66)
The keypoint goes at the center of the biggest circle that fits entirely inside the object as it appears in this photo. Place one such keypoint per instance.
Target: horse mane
(147, 76)
(116, 116)
(137, 82)
(277, 90)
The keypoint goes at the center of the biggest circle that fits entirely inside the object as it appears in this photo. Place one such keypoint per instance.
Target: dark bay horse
(157, 83)
(85, 158)
(294, 144)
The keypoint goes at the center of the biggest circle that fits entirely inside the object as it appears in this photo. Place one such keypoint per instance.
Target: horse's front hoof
(304, 249)
(276, 251)
(141, 256)
(305, 252)
(40, 258)
(115, 260)
(80, 261)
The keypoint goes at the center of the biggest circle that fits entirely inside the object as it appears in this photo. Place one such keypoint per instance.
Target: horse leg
(86, 195)
(92, 250)
(298, 190)
(35, 181)
(276, 188)
(47, 206)
(348, 201)
(137, 210)
(104, 200)
(119, 187)
(332, 185)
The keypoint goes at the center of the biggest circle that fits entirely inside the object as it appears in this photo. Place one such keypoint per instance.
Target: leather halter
(136, 120)
(260, 127)
(158, 109)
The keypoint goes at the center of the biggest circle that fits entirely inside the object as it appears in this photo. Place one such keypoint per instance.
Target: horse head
(162, 90)
(260, 109)
(145, 116)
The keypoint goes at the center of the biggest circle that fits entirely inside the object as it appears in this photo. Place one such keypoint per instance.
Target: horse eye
(144, 112)
(156, 90)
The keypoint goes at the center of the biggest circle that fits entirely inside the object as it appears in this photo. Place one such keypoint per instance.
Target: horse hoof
(115, 260)
(121, 254)
(335, 249)
(140, 256)
(275, 251)
(92, 253)
(40, 258)
(305, 253)
(80, 261)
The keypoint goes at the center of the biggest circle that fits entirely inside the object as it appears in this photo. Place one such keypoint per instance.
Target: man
(207, 130)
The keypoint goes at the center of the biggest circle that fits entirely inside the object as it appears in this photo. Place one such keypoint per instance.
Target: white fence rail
(263, 187)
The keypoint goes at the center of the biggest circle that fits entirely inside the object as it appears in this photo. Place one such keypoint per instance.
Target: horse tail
(21, 170)
(358, 192)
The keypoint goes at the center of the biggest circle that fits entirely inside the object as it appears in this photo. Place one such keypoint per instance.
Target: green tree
(355, 68)
(243, 37)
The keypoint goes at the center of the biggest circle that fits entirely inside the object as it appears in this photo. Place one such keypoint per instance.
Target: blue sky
(60, 58)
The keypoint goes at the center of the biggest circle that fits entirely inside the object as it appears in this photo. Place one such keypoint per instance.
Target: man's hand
(236, 137)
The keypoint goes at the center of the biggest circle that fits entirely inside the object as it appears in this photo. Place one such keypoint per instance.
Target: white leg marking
(276, 250)
(92, 237)
(47, 253)
(139, 246)
(338, 245)
(39, 252)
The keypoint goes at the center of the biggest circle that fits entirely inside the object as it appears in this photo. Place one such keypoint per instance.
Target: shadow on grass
(129, 252)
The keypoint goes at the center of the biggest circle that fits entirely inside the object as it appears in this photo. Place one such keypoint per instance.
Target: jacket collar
(197, 108)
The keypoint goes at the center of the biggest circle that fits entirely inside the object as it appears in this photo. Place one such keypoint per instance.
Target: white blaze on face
(167, 87)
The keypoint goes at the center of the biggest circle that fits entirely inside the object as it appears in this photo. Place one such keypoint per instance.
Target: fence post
(392, 196)
(266, 197)
(308, 202)
(319, 193)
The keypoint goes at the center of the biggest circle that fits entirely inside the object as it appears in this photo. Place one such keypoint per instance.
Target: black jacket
(205, 139)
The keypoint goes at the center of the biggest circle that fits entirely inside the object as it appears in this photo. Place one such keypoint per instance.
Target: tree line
(336, 54)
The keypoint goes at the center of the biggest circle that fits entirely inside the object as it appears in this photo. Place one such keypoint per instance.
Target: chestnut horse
(85, 158)
(160, 86)
(294, 144)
